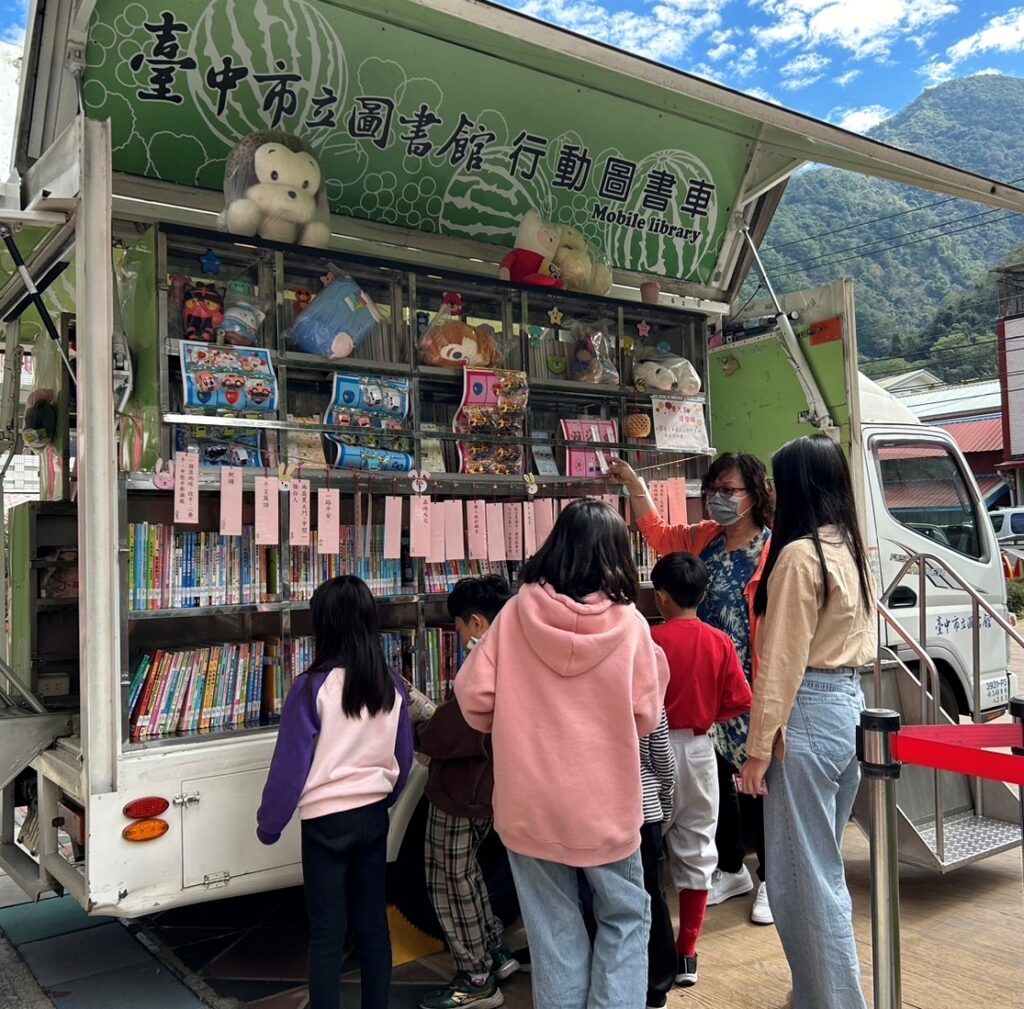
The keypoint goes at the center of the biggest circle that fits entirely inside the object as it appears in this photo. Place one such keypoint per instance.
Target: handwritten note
(677, 501)
(513, 530)
(392, 528)
(454, 531)
(659, 494)
(495, 517)
(186, 488)
(420, 514)
(267, 511)
(544, 519)
(438, 519)
(298, 513)
(529, 529)
(476, 530)
(328, 521)
(679, 425)
(230, 501)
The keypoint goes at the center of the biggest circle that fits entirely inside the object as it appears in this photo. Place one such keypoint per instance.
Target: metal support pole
(880, 770)
(1017, 713)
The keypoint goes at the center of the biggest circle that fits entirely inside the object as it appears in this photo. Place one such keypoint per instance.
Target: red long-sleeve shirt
(706, 681)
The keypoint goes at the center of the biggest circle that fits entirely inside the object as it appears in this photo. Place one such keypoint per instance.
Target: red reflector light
(142, 809)
(145, 830)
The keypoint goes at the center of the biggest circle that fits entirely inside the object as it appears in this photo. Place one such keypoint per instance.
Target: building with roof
(909, 381)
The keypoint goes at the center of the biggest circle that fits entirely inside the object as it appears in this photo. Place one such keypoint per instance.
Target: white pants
(690, 833)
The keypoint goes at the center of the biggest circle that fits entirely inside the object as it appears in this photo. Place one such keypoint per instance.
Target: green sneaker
(462, 992)
(503, 962)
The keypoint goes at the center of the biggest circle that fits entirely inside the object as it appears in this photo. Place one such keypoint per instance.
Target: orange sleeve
(666, 539)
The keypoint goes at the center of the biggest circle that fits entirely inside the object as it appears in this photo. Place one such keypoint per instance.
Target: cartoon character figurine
(274, 188)
(202, 312)
(241, 323)
(339, 319)
(532, 259)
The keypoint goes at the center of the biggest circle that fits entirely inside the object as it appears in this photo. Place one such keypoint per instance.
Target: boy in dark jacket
(459, 786)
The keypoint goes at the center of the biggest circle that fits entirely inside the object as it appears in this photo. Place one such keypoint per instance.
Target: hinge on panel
(216, 879)
(75, 54)
(186, 799)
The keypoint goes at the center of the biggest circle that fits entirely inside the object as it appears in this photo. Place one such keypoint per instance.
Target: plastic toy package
(337, 321)
(591, 359)
(369, 412)
(494, 406)
(448, 342)
(243, 315)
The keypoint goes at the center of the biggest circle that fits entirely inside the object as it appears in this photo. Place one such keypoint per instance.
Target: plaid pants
(458, 891)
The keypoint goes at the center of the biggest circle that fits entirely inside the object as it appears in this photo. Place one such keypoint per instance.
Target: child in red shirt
(706, 685)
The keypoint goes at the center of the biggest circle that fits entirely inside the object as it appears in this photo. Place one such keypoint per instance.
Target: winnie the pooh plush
(531, 261)
(274, 188)
(580, 265)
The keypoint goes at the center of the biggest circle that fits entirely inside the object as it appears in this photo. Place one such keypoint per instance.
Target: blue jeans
(567, 973)
(809, 801)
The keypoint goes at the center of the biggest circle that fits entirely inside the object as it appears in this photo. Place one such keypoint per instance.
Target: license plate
(996, 691)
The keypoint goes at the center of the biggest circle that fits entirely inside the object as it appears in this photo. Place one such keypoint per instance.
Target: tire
(407, 881)
(948, 697)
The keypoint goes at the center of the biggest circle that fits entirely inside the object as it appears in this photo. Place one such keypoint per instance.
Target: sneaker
(504, 963)
(686, 975)
(462, 992)
(726, 885)
(522, 957)
(656, 1001)
(761, 912)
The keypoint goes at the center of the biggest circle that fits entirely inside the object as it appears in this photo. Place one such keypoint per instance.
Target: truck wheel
(407, 881)
(948, 699)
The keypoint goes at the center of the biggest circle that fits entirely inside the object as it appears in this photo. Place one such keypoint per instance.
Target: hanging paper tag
(267, 511)
(677, 502)
(513, 530)
(230, 501)
(393, 529)
(476, 530)
(659, 494)
(438, 513)
(298, 513)
(328, 514)
(454, 531)
(544, 519)
(495, 520)
(358, 505)
(529, 530)
(419, 525)
(186, 488)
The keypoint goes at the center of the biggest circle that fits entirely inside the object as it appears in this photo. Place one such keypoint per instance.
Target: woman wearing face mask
(732, 545)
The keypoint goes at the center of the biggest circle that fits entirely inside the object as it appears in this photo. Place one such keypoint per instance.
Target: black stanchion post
(880, 770)
(1017, 711)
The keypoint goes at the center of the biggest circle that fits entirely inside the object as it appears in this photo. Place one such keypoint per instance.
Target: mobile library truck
(342, 381)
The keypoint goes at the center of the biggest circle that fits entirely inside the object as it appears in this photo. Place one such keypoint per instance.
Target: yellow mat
(408, 943)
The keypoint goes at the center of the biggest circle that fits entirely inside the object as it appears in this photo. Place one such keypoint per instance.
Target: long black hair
(347, 635)
(813, 489)
(588, 551)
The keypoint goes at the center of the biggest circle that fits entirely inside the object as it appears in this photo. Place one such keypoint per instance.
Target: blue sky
(852, 62)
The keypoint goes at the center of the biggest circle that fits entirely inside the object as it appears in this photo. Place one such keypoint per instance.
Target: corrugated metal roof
(971, 398)
(939, 494)
(985, 435)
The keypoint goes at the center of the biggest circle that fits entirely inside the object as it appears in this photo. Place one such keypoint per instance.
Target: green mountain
(921, 263)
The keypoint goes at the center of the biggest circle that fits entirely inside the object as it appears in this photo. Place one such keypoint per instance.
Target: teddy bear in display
(580, 265)
(338, 320)
(532, 259)
(455, 344)
(274, 188)
(668, 373)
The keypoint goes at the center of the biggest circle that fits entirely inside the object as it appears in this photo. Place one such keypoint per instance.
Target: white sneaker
(761, 912)
(726, 885)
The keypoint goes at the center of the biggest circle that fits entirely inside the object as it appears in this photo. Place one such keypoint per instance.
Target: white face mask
(724, 510)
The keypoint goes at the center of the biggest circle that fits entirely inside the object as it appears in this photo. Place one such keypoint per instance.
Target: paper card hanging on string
(513, 530)
(544, 519)
(659, 494)
(454, 531)
(476, 530)
(186, 488)
(230, 501)
(393, 529)
(495, 518)
(677, 502)
(267, 511)
(420, 525)
(679, 425)
(298, 513)
(438, 514)
(529, 530)
(357, 500)
(328, 521)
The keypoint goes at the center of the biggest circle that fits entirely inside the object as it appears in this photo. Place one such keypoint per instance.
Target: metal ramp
(26, 727)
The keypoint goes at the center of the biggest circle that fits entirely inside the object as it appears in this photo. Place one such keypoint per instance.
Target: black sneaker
(522, 956)
(656, 1001)
(462, 992)
(686, 975)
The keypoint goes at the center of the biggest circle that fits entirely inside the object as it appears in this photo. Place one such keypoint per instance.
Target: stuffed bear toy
(455, 344)
(580, 265)
(531, 261)
(666, 374)
(274, 188)
(338, 320)
(590, 361)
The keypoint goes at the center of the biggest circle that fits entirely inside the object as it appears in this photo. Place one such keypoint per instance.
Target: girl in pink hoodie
(567, 680)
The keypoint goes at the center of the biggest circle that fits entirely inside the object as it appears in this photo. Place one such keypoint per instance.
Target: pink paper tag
(454, 531)
(360, 538)
(267, 511)
(438, 516)
(419, 525)
(495, 516)
(186, 488)
(328, 521)
(476, 530)
(230, 501)
(677, 502)
(544, 519)
(298, 513)
(513, 531)
(659, 494)
(529, 529)
(392, 529)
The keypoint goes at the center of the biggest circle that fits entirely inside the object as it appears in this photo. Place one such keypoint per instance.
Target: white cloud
(936, 71)
(796, 83)
(866, 28)
(717, 38)
(722, 50)
(804, 64)
(845, 78)
(745, 64)
(763, 95)
(987, 72)
(859, 120)
(1003, 34)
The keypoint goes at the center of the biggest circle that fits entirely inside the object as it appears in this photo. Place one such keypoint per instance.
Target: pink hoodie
(566, 689)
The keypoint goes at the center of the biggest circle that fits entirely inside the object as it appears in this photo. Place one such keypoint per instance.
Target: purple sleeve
(403, 744)
(293, 757)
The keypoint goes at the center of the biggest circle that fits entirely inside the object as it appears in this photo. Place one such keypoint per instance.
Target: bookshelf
(214, 628)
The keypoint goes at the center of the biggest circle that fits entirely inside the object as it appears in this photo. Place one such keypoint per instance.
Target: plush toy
(242, 316)
(580, 265)
(531, 261)
(455, 344)
(274, 188)
(590, 360)
(202, 311)
(667, 373)
(338, 320)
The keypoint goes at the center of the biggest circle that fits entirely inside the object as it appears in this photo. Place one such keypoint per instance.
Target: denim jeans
(567, 973)
(809, 801)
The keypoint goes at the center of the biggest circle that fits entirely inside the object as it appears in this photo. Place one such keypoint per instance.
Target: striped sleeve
(658, 772)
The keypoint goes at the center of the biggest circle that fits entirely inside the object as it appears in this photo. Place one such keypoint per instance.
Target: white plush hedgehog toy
(274, 188)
